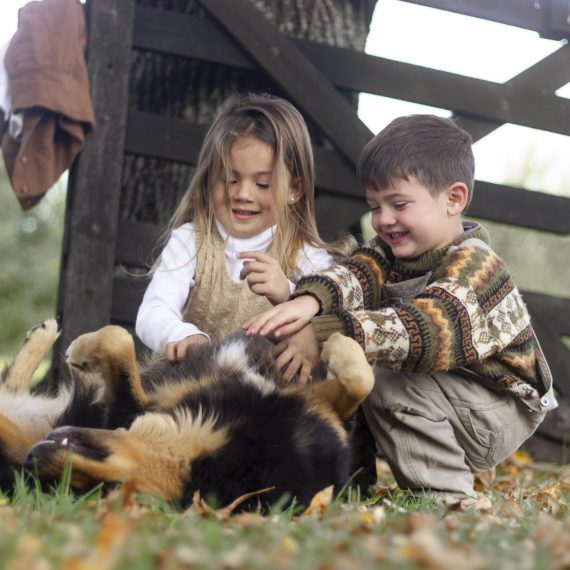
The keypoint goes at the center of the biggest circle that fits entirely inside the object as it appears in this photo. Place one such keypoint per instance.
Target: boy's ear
(457, 197)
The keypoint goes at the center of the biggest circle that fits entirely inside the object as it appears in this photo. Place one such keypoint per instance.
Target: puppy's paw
(341, 353)
(43, 335)
(89, 350)
(346, 362)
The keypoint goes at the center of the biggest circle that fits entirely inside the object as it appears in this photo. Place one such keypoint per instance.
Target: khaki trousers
(436, 430)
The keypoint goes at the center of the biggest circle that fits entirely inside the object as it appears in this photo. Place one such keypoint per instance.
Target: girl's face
(250, 189)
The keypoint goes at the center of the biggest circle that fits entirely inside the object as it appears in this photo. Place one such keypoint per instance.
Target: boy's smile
(412, 220)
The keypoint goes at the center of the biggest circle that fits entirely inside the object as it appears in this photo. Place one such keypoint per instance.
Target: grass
(520, 521)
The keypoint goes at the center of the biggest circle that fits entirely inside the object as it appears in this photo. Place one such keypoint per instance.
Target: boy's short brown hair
(432, 149)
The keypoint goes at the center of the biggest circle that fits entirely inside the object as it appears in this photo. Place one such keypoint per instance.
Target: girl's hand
(285, 319)
(176, 351)
(265, 276)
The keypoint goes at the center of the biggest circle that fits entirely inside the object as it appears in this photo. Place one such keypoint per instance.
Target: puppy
(220, 422)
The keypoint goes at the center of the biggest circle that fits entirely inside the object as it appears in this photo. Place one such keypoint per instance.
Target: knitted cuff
(318, 288)
(326, 325)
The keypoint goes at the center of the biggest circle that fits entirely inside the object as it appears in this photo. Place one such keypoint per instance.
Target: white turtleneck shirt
(159, 319)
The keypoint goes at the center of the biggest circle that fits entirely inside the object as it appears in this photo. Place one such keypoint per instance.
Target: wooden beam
(555, 310)
(547, 75)
(547, 17)
(519, 207)
(534, 106)
(179, 140)
(294, 73)
(86, 277)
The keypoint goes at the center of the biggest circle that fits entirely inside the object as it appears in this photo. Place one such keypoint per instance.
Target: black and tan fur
(220, 422)
(27, 416)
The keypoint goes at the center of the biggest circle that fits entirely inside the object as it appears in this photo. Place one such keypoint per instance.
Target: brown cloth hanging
(49, 84)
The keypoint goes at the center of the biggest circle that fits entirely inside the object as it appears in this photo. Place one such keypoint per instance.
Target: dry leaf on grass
(320, 502)
(483, 481)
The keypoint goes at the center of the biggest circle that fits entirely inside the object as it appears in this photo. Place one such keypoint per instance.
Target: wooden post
(88, 253)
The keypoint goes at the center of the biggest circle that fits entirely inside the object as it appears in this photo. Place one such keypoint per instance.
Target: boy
(461, 381)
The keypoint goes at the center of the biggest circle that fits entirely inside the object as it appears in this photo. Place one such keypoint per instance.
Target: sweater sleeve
(353, 284)
(159, 319)
(470, 311)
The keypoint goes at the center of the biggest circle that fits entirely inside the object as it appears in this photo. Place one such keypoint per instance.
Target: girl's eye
(262, 185)
(375, 209)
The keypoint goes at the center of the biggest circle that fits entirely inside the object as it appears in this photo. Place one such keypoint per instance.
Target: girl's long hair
(279, 124)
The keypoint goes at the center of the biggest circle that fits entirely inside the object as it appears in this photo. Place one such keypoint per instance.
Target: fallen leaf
(483, 481)
(320, 502)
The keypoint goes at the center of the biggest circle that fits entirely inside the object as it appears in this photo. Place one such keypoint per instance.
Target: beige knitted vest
(217, 305)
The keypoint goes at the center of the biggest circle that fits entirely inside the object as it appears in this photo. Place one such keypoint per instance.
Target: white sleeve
(311, 260)
(159, 319)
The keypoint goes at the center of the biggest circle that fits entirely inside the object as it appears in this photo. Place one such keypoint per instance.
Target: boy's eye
(400, 205)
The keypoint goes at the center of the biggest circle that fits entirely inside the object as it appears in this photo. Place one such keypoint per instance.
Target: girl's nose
(243, 191)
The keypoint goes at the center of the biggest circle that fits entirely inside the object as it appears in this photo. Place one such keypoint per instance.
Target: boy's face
(411, 220)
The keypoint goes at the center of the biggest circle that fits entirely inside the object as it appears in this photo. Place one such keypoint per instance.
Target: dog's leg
(39, 340)
(110, 351)
(349, 376)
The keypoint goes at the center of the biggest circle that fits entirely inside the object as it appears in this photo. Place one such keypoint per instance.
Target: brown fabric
(217, 305)
(49, 83)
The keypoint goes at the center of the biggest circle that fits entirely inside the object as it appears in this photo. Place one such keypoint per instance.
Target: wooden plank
(476, 97)
(557, 355)
(180, 141)
(519, 207)
(528, 14)
(555, 311)
(548, 75)
(128, 292)
(337, 214)
(163, 137)
(534, 106)
(84, 301)
(187, 36)
(296, 75)
(543, 448)
(551, 319)
(138, 244)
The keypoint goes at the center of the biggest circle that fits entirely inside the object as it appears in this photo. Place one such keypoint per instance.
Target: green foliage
(30, 250)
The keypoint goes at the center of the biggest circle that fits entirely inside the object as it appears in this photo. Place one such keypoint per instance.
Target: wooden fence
(92, 291)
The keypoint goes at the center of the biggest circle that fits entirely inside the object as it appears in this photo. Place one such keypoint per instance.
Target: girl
(243, 233)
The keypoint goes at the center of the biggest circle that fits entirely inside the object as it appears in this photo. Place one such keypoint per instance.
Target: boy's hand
(299, 354)
(285, 319)
(176, 351)
(265, 276)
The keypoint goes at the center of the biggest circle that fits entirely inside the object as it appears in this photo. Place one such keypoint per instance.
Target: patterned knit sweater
(469, 316)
